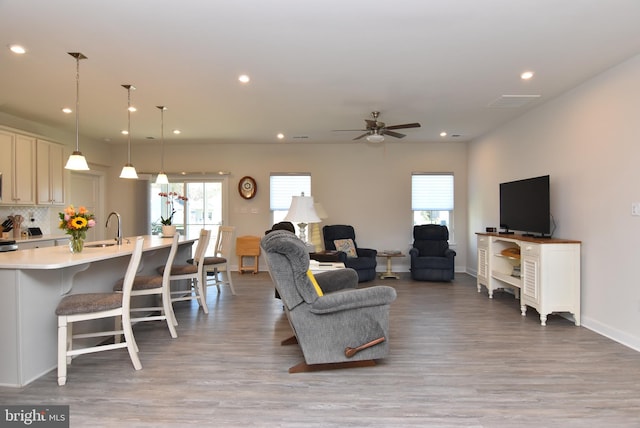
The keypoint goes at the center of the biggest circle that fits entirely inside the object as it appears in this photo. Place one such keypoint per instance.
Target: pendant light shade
(76, 160)
(128, 171)
(162, 177)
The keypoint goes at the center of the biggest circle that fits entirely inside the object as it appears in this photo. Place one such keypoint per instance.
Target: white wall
(366, 186)
(588, 140)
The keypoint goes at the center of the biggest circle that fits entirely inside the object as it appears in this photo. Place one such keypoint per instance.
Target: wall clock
(247, 187)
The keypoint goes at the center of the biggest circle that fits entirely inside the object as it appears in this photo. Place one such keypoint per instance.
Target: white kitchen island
(33, 282)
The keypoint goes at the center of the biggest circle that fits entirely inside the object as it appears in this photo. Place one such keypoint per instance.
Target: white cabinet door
(50, 173)
(18, 154)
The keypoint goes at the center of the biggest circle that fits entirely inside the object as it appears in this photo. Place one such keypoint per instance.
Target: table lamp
(302, 213)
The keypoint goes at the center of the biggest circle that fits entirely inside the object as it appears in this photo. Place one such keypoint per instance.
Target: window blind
(285, 185)
(431, 192)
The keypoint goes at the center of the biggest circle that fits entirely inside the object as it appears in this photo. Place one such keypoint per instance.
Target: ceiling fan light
(375, 138)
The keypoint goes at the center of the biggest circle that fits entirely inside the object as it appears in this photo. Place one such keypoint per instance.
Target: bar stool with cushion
(148, 285)
(92, 306)
(192, 273)
(218, 264)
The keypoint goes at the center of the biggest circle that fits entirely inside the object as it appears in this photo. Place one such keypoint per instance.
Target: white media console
(546, 276)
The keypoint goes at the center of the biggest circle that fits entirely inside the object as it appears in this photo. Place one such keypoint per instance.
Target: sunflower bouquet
(76, 223)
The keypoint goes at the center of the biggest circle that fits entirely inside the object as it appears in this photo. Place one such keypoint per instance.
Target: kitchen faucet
(119, 232)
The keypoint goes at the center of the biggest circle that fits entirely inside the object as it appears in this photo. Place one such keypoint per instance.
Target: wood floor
(457, 359)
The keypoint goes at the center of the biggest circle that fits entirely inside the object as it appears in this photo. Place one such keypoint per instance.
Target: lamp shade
(302, 211)
(77, 162)
(128, 171)
(162, 178)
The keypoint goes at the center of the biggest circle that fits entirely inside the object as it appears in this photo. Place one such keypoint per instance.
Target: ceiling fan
(376, 130)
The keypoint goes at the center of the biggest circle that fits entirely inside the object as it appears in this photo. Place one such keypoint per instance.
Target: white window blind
(285, 185)
(431, 192)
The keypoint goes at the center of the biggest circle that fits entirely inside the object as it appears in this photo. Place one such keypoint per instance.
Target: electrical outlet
(635, 208)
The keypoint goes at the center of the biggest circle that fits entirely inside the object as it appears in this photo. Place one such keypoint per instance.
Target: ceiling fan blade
(347, 130)
(392, 133)
(405, 126)
(361, 136)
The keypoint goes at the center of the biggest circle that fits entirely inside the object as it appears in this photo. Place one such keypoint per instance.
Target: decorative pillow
(315, 283)
(347, 246)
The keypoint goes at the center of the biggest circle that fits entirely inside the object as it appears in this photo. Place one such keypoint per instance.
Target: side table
(389, 256)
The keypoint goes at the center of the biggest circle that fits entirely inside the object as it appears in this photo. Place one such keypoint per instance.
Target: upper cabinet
(50, 173)
(17, 169)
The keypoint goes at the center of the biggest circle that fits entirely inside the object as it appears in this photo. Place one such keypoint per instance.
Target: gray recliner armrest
(336, 280)
(354, 299)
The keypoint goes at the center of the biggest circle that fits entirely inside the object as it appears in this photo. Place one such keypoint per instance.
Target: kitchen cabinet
(17, 169)
(50, 173)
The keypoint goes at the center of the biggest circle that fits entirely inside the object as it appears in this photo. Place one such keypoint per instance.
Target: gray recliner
(344, 327)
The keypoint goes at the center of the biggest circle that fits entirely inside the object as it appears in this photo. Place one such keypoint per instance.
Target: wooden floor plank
(457, 359)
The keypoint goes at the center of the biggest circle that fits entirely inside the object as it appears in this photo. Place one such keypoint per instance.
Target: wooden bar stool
(93, 306)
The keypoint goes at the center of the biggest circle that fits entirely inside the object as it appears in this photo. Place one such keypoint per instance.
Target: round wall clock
(247, 187)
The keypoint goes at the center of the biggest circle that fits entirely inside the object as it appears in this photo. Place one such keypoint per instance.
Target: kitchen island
(34, 281)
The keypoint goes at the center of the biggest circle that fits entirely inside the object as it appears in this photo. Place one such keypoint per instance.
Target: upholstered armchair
(362, 260)
(335, 324)
(431, 257)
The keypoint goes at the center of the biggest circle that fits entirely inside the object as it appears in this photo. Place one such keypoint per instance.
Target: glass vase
(76, 245)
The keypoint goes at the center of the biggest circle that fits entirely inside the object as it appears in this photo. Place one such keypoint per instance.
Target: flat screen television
(525, 206)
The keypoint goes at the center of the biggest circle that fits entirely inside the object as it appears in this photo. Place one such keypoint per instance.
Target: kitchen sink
(100, 245)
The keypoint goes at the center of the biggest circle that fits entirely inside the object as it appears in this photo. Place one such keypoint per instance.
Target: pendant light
(76, 160)
(128, 171)
(162, 177)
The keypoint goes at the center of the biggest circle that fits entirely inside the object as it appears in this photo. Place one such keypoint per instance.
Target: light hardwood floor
(457, 359)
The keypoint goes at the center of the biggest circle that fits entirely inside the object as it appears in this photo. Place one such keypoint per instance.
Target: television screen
(525, 206)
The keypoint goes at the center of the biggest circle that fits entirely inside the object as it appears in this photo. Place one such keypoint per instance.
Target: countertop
(60, 257)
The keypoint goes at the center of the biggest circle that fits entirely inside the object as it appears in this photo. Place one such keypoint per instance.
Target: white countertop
(60, 257)
(37, 238)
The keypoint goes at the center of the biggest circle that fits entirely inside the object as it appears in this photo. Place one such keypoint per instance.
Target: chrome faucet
(119, 232)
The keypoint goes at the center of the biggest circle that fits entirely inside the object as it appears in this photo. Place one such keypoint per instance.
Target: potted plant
(168, 228)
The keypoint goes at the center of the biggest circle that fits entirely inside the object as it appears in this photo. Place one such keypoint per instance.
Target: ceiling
(314, 66)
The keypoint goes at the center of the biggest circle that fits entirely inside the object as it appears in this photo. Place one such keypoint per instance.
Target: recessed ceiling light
(243, 78)
(177, 131)
(124, 132)
(280, 136)
(526, 75)
(67, 110)
(17, 49)
(443, 134)
(132, 109)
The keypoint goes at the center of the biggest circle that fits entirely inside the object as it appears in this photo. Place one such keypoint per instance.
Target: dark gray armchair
(365, 261)
(345, 327)
(431, 257)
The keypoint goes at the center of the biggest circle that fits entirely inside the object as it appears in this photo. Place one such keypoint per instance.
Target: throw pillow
(315, 283)
(347, 246)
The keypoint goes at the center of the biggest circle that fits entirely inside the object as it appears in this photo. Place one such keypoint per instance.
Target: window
(432, 199)
(204, 207)
(282, 187)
